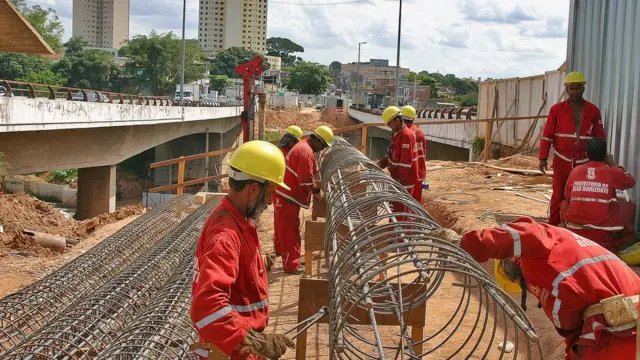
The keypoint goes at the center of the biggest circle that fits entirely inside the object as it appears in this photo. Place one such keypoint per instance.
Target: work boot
(298, 271)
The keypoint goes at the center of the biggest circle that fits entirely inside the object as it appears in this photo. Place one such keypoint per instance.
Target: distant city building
(275, 62)
(376, 81)
(379, 62)
(224, 24)
(102, 23)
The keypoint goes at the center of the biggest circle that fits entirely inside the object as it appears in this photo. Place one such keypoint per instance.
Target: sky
(469, 38)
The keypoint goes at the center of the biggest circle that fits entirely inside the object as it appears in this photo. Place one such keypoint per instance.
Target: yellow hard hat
(295, 131)
(575, 78)
(325, 133)
(258, 160)
(631, 255)
(503, 280)
(390, 113)
(409, 112)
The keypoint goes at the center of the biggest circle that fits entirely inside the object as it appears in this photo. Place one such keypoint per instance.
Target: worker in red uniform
(575, 280)
(402, 154)
(230, 289)
(591, 208)
(569, 125)
(300, 178)
(409, 115)
(292, 136)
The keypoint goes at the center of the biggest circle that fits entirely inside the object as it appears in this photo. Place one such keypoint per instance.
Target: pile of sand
(307, 120)
(23, 211)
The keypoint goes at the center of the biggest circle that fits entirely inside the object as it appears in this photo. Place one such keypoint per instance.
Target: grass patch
(272, 135)
(63, 176)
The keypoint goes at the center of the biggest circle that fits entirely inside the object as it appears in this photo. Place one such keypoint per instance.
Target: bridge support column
(96, 191)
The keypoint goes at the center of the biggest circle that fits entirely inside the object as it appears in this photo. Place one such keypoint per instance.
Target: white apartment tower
(228, 23)
(102, 23)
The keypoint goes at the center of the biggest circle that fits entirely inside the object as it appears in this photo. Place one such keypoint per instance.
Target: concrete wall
(62, 194)
(24, 114)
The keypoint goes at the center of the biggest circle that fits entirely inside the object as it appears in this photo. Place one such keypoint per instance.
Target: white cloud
(478, 38)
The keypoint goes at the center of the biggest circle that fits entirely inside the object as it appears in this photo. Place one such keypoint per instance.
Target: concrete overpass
(40, 134)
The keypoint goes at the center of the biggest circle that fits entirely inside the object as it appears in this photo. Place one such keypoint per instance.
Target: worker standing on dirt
(409, 115)
(588, 293)
(292, 136)
(300, 178)
(402, 154)
(230, 289)
(591, 208)
(569, 125)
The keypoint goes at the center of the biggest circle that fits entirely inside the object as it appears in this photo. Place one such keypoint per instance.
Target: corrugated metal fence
(604, 44)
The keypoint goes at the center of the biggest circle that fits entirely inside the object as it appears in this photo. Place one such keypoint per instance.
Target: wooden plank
(314, 236)
(318, 209)
(190, 157)
(470, 121)
(180, 178)
(520, 171)
(363, 141)
(188, 183)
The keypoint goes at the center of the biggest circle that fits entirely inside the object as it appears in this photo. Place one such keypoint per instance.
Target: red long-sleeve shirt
(560, 131)
(230, 288)
(300, 174)
(421, 145)
(403, 158)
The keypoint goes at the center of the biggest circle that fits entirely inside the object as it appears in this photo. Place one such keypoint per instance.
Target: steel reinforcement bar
(91, 325)
(26, 311)
(387, 256)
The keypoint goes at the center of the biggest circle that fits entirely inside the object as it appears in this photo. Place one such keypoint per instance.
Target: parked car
(92, 96)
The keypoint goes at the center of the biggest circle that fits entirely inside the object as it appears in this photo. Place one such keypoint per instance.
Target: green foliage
(225, 62)
(4, 169)
(87, 68)
(477, 145)
(272, 135)
(283, 48)
(62, 176)
(45, 21)
(469, 99)
(309, 78)
(156, 61)
(219, 83)
(46, 76)
(335, 66)
(19, 65)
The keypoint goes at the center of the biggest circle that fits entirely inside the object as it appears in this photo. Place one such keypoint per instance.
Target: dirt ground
(308, 119)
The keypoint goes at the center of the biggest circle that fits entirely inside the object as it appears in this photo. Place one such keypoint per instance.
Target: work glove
(542, 166)
(382, 163)
(270, 346)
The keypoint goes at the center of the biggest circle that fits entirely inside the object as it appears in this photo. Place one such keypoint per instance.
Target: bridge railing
(451, 113)
(31, 90)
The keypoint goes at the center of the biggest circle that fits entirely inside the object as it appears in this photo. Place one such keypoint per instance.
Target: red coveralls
(569, 150)
(591, 209)
(567, 273)
(230, 289)
(277, 243)
(402, 157)
(300, 177)
(421, 144)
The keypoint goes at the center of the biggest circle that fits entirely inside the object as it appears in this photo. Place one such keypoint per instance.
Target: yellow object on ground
(630, 255)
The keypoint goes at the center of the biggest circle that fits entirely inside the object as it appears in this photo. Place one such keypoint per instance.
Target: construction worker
(230, 289)
(409, 114)
(587, 292)
(300, 178)
(402, 154)
(292, 136)
(591, 208)
(569, 125)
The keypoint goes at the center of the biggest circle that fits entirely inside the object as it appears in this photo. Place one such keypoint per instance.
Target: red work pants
(287, 232)
(561, 171)
(609, 240)
(277, 201)
(417, 192)
(609, 347)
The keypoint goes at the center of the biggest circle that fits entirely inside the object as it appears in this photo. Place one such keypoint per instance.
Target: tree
(335, 66)
(219, 83)
(155, 61)
(46, 76)
(19, 65)
(225, 62)
(85, 68)
(45, 21)
(309, 78)
(283, 48)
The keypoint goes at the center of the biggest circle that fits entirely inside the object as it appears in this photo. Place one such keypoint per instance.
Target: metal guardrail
(466, 113)
(20, 88)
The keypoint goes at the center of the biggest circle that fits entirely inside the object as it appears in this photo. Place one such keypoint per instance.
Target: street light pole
(358, 78)
(184, 16)
(398, 56)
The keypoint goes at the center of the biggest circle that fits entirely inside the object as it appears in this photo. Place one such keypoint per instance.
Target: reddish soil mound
(307, 120)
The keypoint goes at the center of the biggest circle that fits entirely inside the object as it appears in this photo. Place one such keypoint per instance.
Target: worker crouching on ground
(591, 208)
(402, 154)
(292, 136)
(569, 125)
(300, 178)
(230, 289)
(409, 115)
(588, 293)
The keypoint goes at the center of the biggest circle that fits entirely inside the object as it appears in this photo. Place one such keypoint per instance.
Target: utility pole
(358, 78)
(398, 56)
(184, 16)
(415, 88)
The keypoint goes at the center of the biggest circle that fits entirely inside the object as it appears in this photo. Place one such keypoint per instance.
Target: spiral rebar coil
(375, 255)
(163, 331)
(27, 310)
(91, 325)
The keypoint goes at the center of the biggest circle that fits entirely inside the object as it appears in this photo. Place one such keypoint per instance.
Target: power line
(316, 4)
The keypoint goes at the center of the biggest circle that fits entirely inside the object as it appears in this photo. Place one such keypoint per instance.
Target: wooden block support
(314, 293)
(313, 241)
(180, 189)
(318, 209)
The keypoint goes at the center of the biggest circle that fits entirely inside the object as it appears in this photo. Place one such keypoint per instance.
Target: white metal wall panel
(604, 44)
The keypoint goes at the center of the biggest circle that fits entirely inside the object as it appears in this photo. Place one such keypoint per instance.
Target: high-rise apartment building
(227, 23)
(102, 23)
